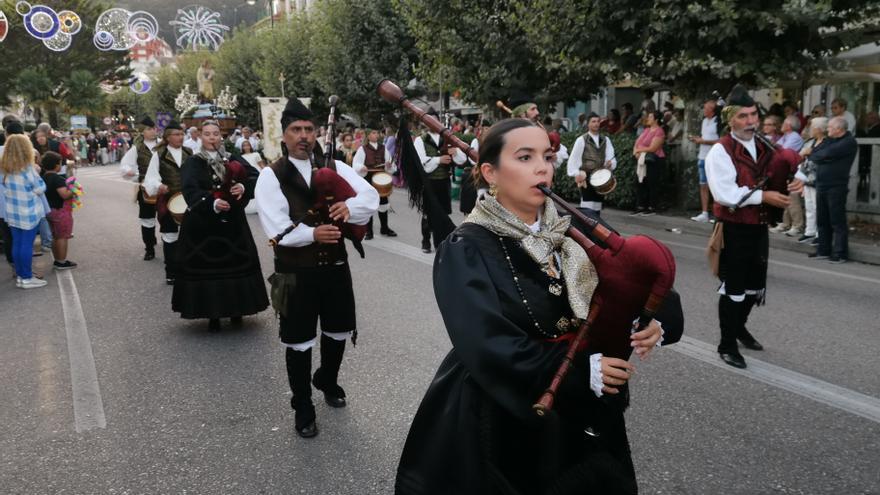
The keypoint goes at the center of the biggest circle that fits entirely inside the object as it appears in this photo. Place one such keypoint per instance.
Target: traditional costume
(590, 153)
(370, 159)
(471, 190)
(430, 146)
(312, 280)
(137, 160)
(734, 168)
(508, 293)
(164, 169)
(219, 272)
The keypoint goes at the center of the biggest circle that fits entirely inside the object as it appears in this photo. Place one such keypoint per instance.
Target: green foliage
(83, 95)
(234, 67)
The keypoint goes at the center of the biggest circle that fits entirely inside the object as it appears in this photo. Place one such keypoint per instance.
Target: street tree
(83, 95)
(36, 88)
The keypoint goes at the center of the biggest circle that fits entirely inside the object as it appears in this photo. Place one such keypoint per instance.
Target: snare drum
(177, 207)
(382, 182)
(603, 181)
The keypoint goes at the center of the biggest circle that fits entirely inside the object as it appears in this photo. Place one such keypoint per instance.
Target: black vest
(593, 157)
(442, 172)
(168, 168)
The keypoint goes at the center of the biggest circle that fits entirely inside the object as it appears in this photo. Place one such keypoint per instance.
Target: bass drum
(603, 181)
(382, 181)
(177, 207)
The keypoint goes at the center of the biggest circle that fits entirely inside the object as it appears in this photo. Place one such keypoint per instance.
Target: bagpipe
(635, 274)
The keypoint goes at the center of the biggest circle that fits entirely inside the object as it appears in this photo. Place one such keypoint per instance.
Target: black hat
(293, 111)
(146, 121)
(485, 123)
(173, 125)
(740, 97)
(518, 97)
(14, 127)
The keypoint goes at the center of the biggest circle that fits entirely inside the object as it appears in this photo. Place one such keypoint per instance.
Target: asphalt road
(163, 406)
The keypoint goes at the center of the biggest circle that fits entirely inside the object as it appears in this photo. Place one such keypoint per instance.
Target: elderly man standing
(793, 218)
(833, 159)
(838, 109)
(735, 167)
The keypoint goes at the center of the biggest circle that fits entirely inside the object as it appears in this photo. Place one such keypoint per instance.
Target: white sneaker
(18, 281)
(793, 232)
(779, 229)
(702, 217)
(32, 283)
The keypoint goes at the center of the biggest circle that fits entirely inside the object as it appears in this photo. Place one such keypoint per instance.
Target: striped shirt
(22, 192)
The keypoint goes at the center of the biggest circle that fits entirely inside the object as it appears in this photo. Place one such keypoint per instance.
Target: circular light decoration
(70, 22)
(111, 31)
(41, 22)
(140, 84)
(23, 8)
(142, 26)
(198, 27)
(60, 42)
(4, 26)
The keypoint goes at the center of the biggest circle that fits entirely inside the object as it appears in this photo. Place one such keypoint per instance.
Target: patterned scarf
(579, 274)
(216, 162)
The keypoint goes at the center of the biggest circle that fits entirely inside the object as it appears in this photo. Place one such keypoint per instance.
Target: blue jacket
(833, 159)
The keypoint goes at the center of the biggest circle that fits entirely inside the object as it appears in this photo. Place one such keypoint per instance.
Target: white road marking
(88, 408)
(806, 386)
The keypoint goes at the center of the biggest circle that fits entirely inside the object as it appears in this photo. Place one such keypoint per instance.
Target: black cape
(220, 274)
(475, 431)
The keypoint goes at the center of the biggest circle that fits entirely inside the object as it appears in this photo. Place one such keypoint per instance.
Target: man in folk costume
(747, 178)
(371, 158)
(590, 152)
(312, 279)
(134, 166)
(438, 159)
(163, 180)
(524, 108)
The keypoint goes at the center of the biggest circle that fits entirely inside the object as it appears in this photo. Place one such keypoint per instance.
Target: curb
(862, 253)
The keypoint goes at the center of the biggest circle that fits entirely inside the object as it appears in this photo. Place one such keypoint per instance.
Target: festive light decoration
(4, 26)
(111, 31)
(226, 100)
(140, 84)
(142, 26)
(198, 27)
(185, 100)
(54, 29)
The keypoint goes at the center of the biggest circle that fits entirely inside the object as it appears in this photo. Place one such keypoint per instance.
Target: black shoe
(308, 431)
(637, 212)
(149, 254)
(369, 236)
(214, 325)
(751, 344)
(806, 239)
(426, 248)
(388, 232)
(649, 212)
(169, 281)
(818, 256)
(836, 260)
(67, 265)
(236, 320)
(735, 360)
(334, 395)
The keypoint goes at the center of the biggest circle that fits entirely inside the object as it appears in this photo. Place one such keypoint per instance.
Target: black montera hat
(740, 97)
(173, 125)
(293, 111)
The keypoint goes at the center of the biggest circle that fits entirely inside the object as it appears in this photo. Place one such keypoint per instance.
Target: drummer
(591, 152)
(133, 166)
(163, 179)
(370, 159)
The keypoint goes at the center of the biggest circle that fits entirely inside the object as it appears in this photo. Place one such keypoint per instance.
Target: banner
(79, 123)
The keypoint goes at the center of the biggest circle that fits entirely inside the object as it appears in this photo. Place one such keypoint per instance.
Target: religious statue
(205, 80)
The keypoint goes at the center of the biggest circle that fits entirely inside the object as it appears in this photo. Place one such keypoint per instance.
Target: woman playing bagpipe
(219, 268)
(513, 288)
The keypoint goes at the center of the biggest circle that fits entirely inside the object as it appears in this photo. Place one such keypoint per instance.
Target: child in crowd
(60, 216)
(24, 208)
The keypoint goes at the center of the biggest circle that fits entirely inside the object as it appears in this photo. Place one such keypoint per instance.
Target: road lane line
(88, 408)
(806, 386)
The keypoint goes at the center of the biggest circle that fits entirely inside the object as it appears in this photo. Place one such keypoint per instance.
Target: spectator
(833, 159)
(247, 135)
(60, 216)
(346, 150)
(648, 150)
(611, 124)
(776, 109)
(818, 128)
(24, 208)
(648, 105)
(709, 135)
(770, 128)
(582, 122)
(790, 108)
(818, 111)
(193, 142)
(11, 128)
(629, 120)
(675, 125)
(838, 109)
(793, 219)
(872, 125)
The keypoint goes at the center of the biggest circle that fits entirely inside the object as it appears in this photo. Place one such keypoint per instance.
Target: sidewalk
(859, 249)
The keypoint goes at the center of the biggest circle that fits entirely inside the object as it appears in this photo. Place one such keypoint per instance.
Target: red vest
(777, 165)
(374, 157)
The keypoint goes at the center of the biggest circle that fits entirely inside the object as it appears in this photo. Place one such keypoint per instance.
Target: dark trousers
(649, 189)
(6, 235)
(441, 189)
(831, 221)
(733, 316)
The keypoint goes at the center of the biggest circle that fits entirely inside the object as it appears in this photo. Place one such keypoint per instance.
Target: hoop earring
(493, 190)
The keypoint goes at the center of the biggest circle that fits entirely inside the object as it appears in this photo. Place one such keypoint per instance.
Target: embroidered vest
(375, 158)
(593, 156)
(748, 174)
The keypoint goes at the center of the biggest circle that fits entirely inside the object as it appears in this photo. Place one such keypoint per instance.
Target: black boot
(426, 235)
(369, 234)
(384, 229)
(168, 252)
(327, 375)
(299, 371)
(729, 317)
(148, 235)
(743, 335)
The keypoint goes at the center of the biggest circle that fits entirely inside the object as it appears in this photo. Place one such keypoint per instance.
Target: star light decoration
(198, 27)
(185, 100)
(119, 29)
(227, 101)
(54, 29)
